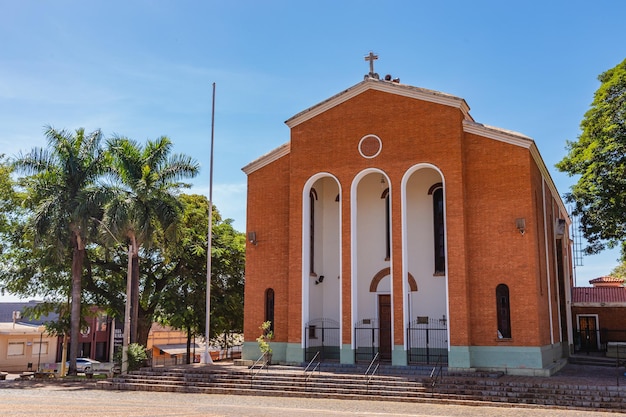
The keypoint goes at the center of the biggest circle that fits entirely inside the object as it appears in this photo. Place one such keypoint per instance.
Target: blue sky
(143, 69)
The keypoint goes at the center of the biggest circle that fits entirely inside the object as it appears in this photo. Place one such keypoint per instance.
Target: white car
(83, 364)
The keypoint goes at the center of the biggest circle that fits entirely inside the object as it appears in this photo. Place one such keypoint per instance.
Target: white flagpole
(207, 357)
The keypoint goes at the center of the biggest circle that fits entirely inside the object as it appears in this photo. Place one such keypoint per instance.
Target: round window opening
(370, 146)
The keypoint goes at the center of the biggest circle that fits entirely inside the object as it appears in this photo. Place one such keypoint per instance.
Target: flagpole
(207, 357)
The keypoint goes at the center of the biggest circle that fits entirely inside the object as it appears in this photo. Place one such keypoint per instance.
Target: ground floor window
(269, 307)
(504, 312)
(15, 349)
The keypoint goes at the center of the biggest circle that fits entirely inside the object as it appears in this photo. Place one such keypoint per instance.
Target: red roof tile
(606, 279)
(599, 295)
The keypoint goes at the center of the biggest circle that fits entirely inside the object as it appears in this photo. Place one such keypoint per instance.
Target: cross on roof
(371, 58)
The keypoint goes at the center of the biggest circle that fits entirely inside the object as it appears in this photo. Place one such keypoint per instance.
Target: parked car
(83, 364)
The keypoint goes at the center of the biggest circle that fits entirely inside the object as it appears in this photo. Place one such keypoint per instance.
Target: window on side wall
(439, 245)
(269, 307)
(504, 311)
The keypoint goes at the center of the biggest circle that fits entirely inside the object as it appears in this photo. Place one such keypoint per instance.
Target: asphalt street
(57, 401)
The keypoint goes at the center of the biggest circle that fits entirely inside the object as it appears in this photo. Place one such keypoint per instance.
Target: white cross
(371, 58)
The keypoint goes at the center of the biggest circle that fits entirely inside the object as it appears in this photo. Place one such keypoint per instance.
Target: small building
(607, 281)
(599, 315)
(168, 346)
(24, 343)
(96, 339)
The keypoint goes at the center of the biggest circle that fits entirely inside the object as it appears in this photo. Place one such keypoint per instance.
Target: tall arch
(371, 218)
(421, 185)
(321, 249)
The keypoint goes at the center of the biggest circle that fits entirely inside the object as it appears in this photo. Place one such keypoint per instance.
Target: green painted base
(281, 352)
(346, 355)
(399, 356)
(514, 360)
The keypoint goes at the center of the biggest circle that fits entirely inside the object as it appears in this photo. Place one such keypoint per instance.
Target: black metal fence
(427, 341)
(366, 340)
(322, 335)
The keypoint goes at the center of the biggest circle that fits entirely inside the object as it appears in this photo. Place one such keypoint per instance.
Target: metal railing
(254, 371)
(315, 368)
(436, 372)
(374, 367)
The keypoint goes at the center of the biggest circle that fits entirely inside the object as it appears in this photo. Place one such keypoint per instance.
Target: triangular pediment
(390, 87)
(417, 93)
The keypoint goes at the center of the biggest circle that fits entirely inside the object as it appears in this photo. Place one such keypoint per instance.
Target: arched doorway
(425, 257)
(372, 252)
(321, 267)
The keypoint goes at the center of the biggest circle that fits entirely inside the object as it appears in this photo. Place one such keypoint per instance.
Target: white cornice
(268, 158)
(502, 135)
(601, 304)
(385, 86)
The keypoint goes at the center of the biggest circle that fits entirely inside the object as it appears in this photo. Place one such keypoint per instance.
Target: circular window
(370, 146)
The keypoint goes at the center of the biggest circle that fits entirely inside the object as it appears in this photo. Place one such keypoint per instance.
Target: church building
(393, 226)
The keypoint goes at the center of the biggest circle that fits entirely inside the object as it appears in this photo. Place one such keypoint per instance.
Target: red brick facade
(491, 178)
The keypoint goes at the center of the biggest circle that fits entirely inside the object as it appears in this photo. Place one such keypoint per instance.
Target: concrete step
(593, 360)
(450, 389)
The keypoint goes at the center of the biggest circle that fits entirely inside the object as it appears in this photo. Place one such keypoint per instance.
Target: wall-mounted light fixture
(319, 280)
(521, 225)
(252, 237)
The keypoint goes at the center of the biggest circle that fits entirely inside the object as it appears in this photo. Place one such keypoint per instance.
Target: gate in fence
(321, 335)
(427, 341)
(366, 340)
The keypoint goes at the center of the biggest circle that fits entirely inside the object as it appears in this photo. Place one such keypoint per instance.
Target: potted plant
(264, 340)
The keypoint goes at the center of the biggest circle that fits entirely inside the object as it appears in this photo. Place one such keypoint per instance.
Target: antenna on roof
(577, 251)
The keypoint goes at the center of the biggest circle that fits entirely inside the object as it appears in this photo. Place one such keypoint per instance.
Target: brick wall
(268, 216)
(488, 185)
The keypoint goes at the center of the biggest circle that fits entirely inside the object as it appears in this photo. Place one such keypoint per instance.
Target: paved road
(60, 401)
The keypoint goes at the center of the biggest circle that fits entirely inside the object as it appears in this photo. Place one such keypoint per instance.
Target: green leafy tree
(598, 158)
(227, 278)
(137, 357)
(184, 303)
(8, 197)
(59, 191)
(619, 271)
(143, 199)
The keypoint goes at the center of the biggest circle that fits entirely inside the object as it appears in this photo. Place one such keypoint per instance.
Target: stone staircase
(593, 360)
(537, 393)
(391, 384)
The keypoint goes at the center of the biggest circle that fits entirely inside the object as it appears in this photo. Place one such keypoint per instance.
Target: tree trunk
(188, 346)
(78, 255)
(144, 323)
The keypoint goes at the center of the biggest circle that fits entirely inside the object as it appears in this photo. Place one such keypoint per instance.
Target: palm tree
(144, 198)
(60, 192)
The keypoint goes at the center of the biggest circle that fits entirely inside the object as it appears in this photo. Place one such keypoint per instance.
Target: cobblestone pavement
(79, 399)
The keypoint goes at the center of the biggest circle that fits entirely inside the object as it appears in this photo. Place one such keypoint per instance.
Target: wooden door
(588, 332)
(384, 320)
